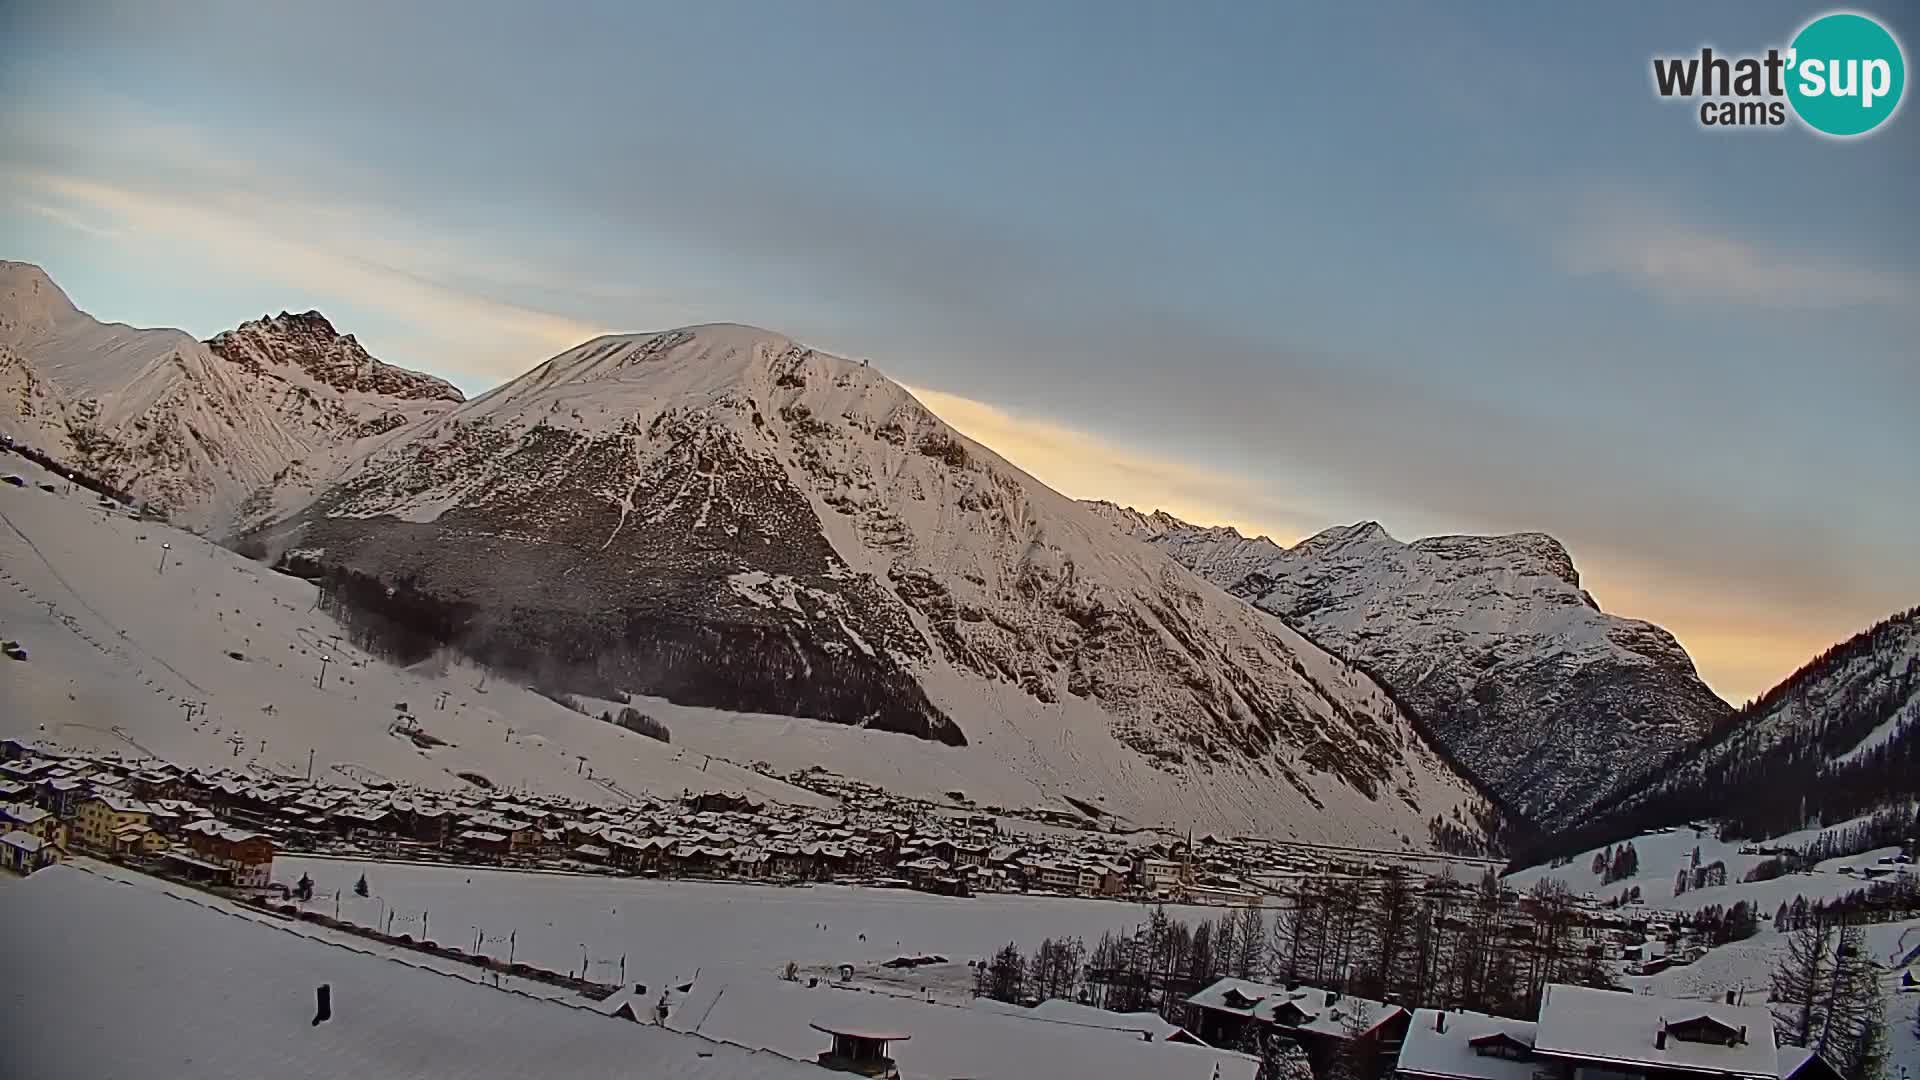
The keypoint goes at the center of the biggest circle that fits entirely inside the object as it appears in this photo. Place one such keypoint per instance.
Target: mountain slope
(1837, 739)
(722, 517)
(194, 428)
(1537, 693)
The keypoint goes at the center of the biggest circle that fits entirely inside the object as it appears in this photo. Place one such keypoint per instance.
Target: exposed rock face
(309, 343)
(727, 518)
(1490, 641)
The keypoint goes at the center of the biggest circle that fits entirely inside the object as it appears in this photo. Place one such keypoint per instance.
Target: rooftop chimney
(1440, 1021)
(1660, 1039)
(1333, 996)
(1743, 1033)
(1729, 997)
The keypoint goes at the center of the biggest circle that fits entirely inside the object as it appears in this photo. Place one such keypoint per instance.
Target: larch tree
(1801, 984)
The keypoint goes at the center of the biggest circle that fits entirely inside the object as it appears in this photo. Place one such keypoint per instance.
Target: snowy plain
(670, 930)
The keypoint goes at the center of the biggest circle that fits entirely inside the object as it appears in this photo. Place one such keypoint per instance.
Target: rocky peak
(309, 342)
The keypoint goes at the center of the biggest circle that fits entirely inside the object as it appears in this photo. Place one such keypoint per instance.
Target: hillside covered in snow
(205, 431)
(722, 517)
(1489, 641)
(1837, 739)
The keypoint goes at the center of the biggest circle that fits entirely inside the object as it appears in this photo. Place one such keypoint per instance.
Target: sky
(1453, 268)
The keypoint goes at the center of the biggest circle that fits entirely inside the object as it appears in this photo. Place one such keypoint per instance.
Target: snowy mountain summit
(309, 343)
(205, 431)
(1489, 640)
(721, 516)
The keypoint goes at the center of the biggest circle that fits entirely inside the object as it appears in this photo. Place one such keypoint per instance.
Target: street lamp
(164, 548)
(321, 682)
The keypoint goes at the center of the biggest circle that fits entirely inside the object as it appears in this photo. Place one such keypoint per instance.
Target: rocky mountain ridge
(209, 432)
(1550, 702)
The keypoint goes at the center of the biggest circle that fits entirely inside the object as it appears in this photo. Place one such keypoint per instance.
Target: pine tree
(1853, 1038)
(360, 887)
(1741, 922)
(1250, 945)
(1802, 984)
(1006, 974)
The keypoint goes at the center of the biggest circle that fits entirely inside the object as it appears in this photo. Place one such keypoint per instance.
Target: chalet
(159, 782)
(1157, 876)
(99, 816)
(23, 852)
(63, 794)
(1457, 1045)
(354, 821)
(1059, 877)
(1326, 1024)
(722, 802)
(27, 818)
(425, 824)
(248, 855)
(1585, 1032)
(138, 840)
(484, 842)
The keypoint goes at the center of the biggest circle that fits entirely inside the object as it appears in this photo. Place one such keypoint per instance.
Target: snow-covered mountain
(720, 516)
(1216, 552)
(1837, 739)
(206, 431)
(1489, 640)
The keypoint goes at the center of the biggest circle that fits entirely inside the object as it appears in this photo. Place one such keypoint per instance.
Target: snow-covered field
(668, 930)
(1746, 965)
(1664, 854)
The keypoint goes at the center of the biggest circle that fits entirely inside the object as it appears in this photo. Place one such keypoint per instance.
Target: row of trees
(1440, 943)
(1053, 971)
(1616, 863)
(1883, 901)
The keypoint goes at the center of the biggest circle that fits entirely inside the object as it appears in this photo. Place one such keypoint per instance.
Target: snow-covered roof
(169, 981)
(1430, 1052)
(24, 813)
(1150, 1024)
(1323, 1012)
(25, 841)
(1607, 1026)
(947, 1040)
(122, 804)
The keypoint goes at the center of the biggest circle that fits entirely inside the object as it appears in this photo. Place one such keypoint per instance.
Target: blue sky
(1453, 268)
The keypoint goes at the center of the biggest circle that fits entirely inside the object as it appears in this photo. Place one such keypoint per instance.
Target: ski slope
(120, 648)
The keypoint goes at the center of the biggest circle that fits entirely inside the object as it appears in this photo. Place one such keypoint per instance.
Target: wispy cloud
(70, 220)
(488, 339)
(1662, 253)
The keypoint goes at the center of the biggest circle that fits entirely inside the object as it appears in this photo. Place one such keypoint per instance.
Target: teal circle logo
(1845, 74)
